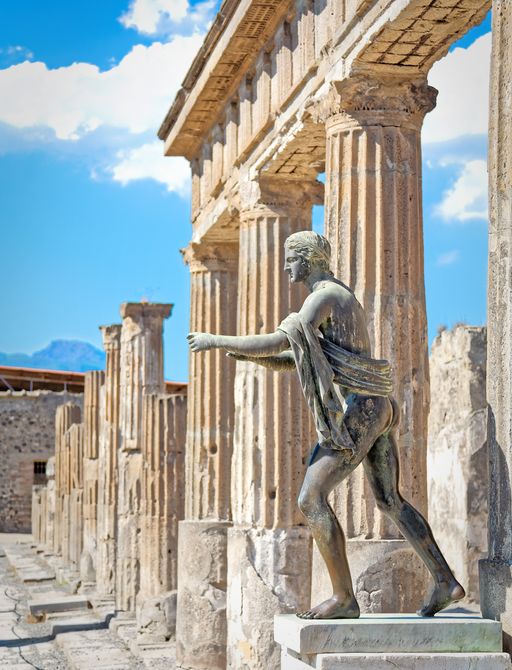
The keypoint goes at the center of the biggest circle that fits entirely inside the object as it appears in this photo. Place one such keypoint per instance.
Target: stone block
(268, 573)
(290, 661)
(57, 604)
(387, 576)
(202, 577)
(156, 619)
(380, 633)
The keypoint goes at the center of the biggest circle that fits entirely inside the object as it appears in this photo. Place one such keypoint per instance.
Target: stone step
(95, 649)
(57, 603)
(461, 661)
(385, 633)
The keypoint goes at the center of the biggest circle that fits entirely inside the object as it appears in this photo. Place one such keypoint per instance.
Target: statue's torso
(344, 321)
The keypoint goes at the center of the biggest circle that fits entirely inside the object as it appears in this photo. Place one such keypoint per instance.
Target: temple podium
(398, 641)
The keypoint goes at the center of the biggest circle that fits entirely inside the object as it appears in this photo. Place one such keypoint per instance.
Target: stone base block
(268, 573)
(156, 619)
(445, 642)
(201, 609)
(387, 576)
(381, 633)
(290, 661)
(496, 595)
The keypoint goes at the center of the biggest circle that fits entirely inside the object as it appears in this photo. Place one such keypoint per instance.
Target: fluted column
(65, 416)
(202, 574)
(142, 372)
(50, 504)
(107, 466)
(373, 219)
(163, 453)
(94, 381)
(496, 570)
(269, 549)
(76, 494)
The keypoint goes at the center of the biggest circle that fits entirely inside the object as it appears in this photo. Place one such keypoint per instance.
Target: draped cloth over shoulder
(320, 365)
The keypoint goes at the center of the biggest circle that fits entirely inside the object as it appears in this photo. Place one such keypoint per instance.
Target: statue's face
(295, 265)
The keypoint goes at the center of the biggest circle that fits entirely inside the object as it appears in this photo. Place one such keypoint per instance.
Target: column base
(496, 595)
(201, 608)
(269, 572)
(387, 576)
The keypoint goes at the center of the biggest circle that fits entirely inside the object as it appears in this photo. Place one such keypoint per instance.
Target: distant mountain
(71, 355)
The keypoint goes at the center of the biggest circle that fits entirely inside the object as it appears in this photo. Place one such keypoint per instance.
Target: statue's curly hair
(312, 247)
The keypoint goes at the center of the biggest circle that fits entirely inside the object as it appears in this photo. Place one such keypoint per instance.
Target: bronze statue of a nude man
(328, 343)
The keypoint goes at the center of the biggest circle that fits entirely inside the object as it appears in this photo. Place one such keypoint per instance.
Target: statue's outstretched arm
(279, 363)
(248, 345)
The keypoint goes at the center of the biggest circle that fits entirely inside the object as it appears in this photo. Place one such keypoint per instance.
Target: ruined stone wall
(27, 434)
(457, 450)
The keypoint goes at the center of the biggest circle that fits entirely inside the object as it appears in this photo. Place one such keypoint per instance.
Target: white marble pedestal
(399, 641)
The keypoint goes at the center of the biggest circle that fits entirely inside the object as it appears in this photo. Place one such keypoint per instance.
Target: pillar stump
(496, 570)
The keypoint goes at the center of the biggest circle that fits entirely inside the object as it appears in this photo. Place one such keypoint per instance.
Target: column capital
(367, 100)
(111, 336)
(141, 310)
(271, 195)
(210, 256)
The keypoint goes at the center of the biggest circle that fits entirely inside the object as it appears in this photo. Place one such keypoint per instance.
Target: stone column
(496, 570)
(65, 416)
(202, 550)
(76, 494)
(50, 504)
(164, 420)
(269, 549)
(373, 219)
(92, 395)
(107, 466)
(142, 372)
(457, 450)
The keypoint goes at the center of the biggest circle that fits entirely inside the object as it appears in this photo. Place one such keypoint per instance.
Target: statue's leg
(365, 420)
(382, 469)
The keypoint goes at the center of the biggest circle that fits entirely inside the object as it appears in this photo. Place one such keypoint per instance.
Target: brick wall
(27, 434)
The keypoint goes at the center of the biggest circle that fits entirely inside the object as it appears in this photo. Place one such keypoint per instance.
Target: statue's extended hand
(200, 341)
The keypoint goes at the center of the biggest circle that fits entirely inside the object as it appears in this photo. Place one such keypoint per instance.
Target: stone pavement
(76, 640)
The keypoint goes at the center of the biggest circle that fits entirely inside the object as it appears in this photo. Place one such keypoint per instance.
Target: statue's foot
(333, 608)
(443, 594)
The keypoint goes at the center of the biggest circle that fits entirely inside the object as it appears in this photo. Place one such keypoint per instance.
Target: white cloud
(467, 198)
(448, 258)
(152, 17)
(462, 78)
(78, 99)
(148, 162)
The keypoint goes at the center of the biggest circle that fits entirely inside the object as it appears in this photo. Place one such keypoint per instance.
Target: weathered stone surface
(107, 465)
(267, 573)
(496, 571)
(162, 507)
(156, 619)
(457, 450)
(210, 419)
(380, 633)
(484, 661)
(94, 381)
(141, 372)
(377, 566)
(202, 579)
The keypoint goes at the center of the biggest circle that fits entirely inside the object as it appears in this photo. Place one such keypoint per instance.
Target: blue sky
(92, 215)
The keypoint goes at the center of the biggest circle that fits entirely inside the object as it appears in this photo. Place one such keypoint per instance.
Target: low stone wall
(27, 434)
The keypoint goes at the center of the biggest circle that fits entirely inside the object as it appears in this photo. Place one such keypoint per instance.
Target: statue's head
(306, 251)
